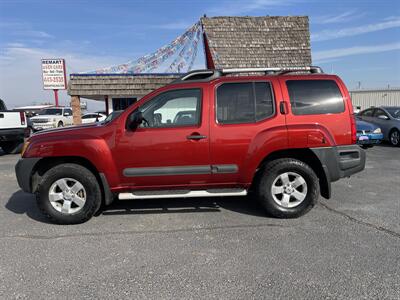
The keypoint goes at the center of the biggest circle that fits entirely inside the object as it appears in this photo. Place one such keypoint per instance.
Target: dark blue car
(368, 134)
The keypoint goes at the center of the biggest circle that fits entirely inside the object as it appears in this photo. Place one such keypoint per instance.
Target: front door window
(173, 109)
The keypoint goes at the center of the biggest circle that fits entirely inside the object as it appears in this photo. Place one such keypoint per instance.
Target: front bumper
(369, 138)
(23, 171)
(42, 126)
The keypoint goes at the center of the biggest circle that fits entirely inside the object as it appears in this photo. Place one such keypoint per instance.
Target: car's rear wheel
(287, 188)
(69, 194)
(394, 137)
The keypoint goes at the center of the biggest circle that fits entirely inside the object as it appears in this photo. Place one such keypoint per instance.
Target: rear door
(318, 115)
(245, 117)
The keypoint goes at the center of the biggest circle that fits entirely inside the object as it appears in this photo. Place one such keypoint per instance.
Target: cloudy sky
(356, 39)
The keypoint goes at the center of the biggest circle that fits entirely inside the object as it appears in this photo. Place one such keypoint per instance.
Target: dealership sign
(53, 72)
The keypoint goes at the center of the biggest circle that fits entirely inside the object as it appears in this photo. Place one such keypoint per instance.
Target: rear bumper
(13, 134)
(341, 161)
(23, 171)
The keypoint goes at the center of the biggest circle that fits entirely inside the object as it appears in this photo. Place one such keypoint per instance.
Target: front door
(171, 147)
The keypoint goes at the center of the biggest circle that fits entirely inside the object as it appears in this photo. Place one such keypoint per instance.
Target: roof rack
(210, 74)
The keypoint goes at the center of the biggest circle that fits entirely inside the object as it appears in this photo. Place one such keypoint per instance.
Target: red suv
(283, 137)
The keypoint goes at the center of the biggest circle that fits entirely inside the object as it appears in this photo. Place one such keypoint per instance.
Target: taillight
(353, 129)
(22, 117)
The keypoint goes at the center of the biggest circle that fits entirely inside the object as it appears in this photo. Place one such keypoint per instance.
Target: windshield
(394, 112)
(50, 111)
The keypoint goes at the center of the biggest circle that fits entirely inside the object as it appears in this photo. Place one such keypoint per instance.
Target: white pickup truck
(52, 117)
(13, 129)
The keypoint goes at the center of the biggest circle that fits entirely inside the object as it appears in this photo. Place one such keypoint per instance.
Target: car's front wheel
(394, 137)
(287, 188)
(69, 194)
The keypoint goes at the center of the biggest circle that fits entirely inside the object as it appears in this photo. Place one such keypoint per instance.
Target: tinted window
(173, 109)
(367, 113)
(309, 97)
(244, 102)
(68, 111)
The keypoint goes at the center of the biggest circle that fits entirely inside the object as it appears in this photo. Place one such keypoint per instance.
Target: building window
(122, 103)
(244, 102)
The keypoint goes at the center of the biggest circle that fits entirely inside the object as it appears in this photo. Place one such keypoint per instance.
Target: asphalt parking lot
(346, 247)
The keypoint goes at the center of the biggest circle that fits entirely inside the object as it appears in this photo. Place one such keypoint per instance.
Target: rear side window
(312, 97)
(244, 102)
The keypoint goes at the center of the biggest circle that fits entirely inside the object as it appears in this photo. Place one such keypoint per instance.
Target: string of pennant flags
(183, 51)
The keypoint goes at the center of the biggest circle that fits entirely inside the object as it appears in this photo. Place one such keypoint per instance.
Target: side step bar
(182, 194)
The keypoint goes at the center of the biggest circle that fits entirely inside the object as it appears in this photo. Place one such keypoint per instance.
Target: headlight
(26, 144)
(378, 130)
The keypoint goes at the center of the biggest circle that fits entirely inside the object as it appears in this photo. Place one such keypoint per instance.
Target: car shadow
(385, 144)
(24, 203)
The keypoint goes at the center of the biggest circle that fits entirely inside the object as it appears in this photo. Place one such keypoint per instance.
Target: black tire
(82, 175)
(60, 124)
(393, 141)
(269, 174)
(13, 147)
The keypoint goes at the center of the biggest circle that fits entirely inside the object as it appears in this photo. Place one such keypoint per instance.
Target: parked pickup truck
(279, 137)
(52, 117)
(13, 129)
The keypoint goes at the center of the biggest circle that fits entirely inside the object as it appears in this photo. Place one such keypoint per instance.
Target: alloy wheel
(289, 189)
(67, 195)
(395, 137)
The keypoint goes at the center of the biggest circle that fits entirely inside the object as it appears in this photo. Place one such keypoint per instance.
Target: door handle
(196, 136)
(283, 108)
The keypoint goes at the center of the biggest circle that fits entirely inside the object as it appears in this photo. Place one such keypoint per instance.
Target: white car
(93, 117)
(52, 118)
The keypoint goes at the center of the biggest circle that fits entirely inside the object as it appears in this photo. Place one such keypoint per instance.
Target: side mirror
(134, 120)
(383, 117)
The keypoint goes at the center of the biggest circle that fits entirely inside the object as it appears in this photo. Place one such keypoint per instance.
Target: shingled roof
(236, 42)
(97, 86)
